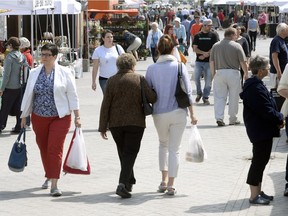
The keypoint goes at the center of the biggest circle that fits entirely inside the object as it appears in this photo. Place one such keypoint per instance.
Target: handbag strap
(22, 132)
(144, 100)
(179, 70)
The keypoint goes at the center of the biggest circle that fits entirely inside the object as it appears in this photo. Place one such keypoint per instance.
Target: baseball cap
(207, 22)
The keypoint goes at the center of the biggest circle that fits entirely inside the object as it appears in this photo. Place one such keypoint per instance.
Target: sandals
(171, 191)
(162, 187)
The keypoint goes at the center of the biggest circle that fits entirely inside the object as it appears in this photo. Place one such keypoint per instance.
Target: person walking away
(133, 42)
(263, 123)
(11, 89)
(253, 29)
(152, 40)
(169, 119)
(202, 45)
(262, 20)
(50, 97)
(125, 117)
(225, 59)
(104, 59)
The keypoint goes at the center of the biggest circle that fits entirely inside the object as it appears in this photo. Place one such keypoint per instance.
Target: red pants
(50, 137)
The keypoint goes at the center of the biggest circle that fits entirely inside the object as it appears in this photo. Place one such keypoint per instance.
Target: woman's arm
(94, 73)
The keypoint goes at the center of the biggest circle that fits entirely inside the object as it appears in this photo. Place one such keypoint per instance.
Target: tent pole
(32, 39)
(53, 25)
(68, 37)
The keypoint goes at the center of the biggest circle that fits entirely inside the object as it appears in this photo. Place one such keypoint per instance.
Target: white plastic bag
(77, 157)
(195, 151)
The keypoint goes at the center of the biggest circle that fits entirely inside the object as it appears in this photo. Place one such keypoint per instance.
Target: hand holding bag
(147, 107)
(195, 151)
(76, 161)
(181, 92)
(18, 156)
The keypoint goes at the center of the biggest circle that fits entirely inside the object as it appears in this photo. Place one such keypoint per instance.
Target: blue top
(260, 113)
(278, 45)
(44, 103)
(162, 77)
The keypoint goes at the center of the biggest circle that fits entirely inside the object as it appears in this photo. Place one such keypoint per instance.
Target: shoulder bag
(18, 156)
(147, 107)
(181, 92)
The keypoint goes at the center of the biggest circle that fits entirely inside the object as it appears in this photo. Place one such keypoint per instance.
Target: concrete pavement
(215, 187)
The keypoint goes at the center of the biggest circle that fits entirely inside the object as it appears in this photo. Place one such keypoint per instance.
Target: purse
(181, 95)
(182, 57)
(18, 156)
(147, 107)
(278, 98)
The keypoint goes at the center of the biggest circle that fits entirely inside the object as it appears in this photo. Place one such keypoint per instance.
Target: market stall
(117, 21)
(62, 8)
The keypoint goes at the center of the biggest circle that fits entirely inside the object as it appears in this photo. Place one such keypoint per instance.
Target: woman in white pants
(169, 119)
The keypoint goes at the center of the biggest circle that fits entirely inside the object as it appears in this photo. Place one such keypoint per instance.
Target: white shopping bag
(77, 157)
(195, 150)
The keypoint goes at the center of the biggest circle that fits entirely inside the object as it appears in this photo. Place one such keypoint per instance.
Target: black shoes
(259, 200)
(198, 98)
(286, 192)
(122, 191)
(265, 196)
(15, 130)
(129, 187)
(220, 123)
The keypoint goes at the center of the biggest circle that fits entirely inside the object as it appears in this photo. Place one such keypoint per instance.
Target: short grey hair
(154, 24)
(281, 27)
(258, 62)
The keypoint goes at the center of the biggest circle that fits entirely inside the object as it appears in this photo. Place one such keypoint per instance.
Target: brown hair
(14, 42)
(165, 45)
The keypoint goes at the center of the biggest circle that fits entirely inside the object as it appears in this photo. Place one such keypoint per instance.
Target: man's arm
(244, 67)
(276, 64)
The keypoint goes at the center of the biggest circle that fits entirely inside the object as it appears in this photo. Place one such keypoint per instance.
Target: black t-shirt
(204, 42)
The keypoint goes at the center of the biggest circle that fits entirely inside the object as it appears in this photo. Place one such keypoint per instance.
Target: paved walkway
(215, 187)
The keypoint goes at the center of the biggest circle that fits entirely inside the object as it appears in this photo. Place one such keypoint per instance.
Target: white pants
(226, 81)
(135, 45)
(170, 127)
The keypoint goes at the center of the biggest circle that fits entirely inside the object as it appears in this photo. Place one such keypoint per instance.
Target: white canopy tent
(25, 7)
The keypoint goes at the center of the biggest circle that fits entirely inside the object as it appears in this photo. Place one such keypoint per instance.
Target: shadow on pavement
(220, 207)
(111, 197)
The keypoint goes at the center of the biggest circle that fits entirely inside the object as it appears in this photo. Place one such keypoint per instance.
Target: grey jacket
(12, 69)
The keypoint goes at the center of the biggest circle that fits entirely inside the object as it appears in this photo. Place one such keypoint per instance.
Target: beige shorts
(135, 45)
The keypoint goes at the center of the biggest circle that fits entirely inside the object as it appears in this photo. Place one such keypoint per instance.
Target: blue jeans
(203, 67)
(102, 83)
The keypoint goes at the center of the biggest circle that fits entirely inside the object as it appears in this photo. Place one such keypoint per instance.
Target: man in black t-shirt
(202, 45)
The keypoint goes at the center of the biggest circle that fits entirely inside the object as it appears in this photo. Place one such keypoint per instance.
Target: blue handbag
(18, 156)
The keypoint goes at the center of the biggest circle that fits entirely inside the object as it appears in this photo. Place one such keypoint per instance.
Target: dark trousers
(11, 104)
(261, 156)
(262, 29)
(253, 36)
(286, 176)
(128, 140)
(154, 54)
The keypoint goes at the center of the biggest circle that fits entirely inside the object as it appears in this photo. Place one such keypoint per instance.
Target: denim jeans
(102, 83)
(203, 67)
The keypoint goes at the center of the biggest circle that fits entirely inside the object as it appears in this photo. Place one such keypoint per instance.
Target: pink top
(262, 19)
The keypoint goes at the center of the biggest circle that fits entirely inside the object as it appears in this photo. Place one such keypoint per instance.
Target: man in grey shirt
(225, 60)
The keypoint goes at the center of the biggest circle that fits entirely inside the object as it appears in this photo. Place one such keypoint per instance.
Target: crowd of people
(50, 94)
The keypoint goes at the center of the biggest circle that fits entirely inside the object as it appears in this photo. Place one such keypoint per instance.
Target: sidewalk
(213, 188)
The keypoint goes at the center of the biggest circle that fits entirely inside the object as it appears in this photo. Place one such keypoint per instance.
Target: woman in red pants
(50, 96)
